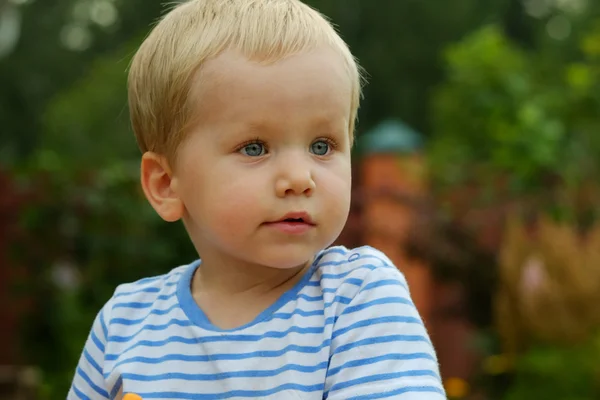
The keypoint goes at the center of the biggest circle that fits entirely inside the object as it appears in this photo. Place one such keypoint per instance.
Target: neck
(230, 277)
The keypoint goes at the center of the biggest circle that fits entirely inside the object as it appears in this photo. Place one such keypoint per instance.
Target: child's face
(272, 140)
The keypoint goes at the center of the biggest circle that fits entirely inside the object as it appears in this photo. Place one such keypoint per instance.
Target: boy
(244, 111)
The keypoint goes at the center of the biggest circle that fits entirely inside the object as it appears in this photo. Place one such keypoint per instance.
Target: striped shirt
(347, 330)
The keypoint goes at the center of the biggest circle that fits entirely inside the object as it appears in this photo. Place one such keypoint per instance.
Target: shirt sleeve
(89, 383)
(380, 348)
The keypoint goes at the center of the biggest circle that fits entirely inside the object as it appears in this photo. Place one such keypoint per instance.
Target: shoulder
(147, 293)
(353, 270)
(148, 287)
(357, 262)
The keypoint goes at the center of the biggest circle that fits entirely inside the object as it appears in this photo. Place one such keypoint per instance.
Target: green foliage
(41, 67)
(89, 124)
(504, 112)
(399, 44)
(549, 372)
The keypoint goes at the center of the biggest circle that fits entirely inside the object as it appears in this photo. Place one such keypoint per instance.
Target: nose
(295, 178)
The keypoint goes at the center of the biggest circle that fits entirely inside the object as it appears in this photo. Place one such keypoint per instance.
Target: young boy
(244, 111)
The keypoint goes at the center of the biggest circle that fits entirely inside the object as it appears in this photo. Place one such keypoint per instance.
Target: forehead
(232, 88)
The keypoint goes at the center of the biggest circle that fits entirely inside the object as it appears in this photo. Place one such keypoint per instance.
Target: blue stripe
(227, 375)
(341, 275)
(159, 297)
(377, 302)
(92, 362)
(224, 356)
(87, 379)
(150, 327)
(361, 257)
(384, 282)
(133, 304)
(79, 393)
(233, 393)
(397, 392)
(147, 280)
(141, 305)
(374, 321)
(138, 305)
(354, 281)
(97, 341)
(103, 324)
(373, 360)
(224, 338)
(118, 385)
(310, 298)
(302, 313)
(379, 340)
(166, 296)
(150, 289)
(125, 321)
(349, 281)
(338, 299)
(156, 278)
(382, 377)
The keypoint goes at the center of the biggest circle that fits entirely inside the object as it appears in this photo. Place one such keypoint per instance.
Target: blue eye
(253, 150)
(320, 148)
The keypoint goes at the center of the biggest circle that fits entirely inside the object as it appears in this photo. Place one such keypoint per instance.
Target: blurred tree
(399, 44)
(527, 118)
(56, 47)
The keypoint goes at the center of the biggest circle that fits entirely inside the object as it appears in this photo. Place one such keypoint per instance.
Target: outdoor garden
(504, 93)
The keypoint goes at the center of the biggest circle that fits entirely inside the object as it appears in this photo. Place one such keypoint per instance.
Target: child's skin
(272, 139)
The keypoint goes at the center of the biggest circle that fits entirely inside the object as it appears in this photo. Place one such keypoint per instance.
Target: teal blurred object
(392, 137)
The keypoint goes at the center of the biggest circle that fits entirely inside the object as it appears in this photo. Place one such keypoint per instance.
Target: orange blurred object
(132, 396)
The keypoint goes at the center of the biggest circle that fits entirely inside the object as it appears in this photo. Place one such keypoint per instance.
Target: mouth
(295, 224)
(296, 218)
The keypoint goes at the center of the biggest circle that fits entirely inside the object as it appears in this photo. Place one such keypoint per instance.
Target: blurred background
(477, 169)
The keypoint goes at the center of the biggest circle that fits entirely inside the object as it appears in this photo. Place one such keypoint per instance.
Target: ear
(156, 177)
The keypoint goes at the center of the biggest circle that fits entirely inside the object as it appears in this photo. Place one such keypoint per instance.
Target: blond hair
(162, 70)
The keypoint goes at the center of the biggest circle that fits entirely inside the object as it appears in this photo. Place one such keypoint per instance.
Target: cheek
(336, 185)
(231, 198)
(338, 177)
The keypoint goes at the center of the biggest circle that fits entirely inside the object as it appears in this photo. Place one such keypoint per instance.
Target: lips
(296, 217)
(295, 223)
